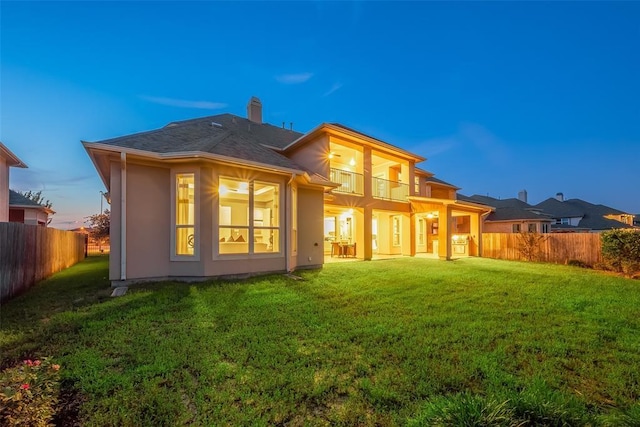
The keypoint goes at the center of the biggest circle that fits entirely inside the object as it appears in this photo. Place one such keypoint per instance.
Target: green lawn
(395, 342)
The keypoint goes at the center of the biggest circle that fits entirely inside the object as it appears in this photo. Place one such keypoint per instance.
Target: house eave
(12, 159)
(188, 155)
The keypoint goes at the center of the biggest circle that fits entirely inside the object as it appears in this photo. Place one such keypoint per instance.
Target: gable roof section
(223, 135)
(17, 200)
(348, 133)
(12, 159)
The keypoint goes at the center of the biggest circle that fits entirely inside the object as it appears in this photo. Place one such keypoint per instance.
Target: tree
(529, 245)
(100, 225)
(37, 197)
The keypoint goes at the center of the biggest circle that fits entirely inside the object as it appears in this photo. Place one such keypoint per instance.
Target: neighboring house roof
(17, 200)
(511, 209)
(12, 159)
(500, 203)
(224, 135)
(558, 209)
(592, 216)
(515, 214)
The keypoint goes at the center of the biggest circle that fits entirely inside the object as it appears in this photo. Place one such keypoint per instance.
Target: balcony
(390, 190)
(351, 182)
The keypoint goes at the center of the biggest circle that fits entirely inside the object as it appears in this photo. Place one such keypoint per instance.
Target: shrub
(529, 245)
(29, 393)
(464, 410)
(621, 251)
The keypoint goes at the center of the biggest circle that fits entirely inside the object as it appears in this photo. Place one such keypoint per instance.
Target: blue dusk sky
(498, 96)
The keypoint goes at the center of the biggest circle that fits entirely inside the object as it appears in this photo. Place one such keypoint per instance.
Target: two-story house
(225, 195)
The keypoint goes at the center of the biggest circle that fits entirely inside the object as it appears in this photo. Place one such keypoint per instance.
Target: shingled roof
(511, 209)
(592, 216)
(224, 134)
(558, 209)
(17, 200)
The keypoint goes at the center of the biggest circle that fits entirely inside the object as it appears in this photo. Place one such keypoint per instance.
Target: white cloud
(182, 103)
(334, 88)
(294, 79)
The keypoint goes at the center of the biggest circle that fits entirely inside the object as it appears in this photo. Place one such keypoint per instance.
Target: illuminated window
(396, 231)
(265, 218)
(185, 218)
(248, 220)
(294, 220)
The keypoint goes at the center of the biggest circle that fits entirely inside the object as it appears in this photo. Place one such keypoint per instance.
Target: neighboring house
(636, 220)
(512, 215)
(575, 215)
(7, 160)
(26, 211)
(226, 195)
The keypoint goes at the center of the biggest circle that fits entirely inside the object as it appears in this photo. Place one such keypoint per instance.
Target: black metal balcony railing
(352, 183)
(390, 190)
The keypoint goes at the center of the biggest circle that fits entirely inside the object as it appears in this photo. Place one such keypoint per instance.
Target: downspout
(288, 214)
(123, 216)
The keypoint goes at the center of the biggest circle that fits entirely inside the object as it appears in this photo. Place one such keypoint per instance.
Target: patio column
(367, 244)
(476, 235)
(444, 232)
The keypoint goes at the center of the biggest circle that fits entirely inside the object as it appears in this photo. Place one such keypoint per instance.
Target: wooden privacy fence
(30, 253)
(556, 247)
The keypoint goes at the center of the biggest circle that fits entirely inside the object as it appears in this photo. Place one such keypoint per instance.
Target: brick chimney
(560, 197)
(254, 110)
(522, 196)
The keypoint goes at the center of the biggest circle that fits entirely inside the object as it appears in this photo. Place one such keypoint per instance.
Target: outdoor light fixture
(352, 162)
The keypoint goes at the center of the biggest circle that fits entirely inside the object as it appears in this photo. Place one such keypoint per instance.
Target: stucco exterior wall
(310, 228)
(4, 190)
(148, 221)
(313, 156)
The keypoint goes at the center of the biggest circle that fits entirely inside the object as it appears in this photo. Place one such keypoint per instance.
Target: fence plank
(30, 253)
(558, 248)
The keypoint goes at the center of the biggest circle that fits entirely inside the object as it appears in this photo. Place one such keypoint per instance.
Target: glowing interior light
(244, 186)
(331, 155)
(350, 211)
(223, 190)
(430, 216)
(352, 162)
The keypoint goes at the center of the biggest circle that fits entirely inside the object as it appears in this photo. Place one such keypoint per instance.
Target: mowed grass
(395, 342)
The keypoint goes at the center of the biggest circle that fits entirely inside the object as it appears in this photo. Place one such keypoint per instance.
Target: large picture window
(248, 217)
(185, 216)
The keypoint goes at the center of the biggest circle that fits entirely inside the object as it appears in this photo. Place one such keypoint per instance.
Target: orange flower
(28, 362)
(37, 363)
(55, 367)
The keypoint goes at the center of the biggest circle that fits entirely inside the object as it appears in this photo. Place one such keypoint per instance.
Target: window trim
(173, 256)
